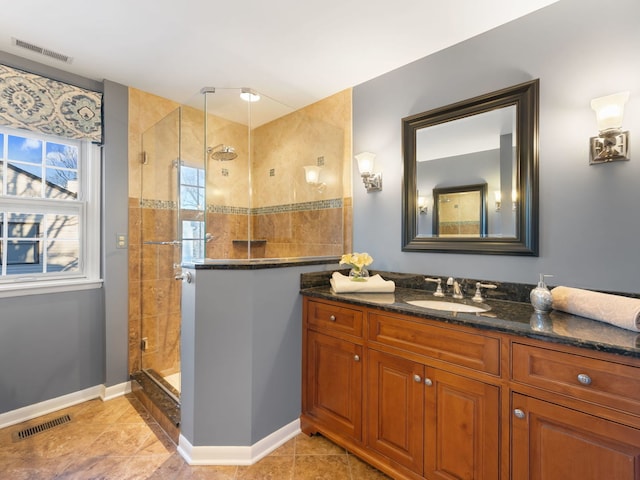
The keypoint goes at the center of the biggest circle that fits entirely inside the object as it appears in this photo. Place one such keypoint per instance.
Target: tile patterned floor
(118, 440)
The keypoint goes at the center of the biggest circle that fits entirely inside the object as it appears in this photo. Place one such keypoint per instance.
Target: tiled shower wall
(283, 216)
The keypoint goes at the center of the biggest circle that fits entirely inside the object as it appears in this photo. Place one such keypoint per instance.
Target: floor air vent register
(43, 427)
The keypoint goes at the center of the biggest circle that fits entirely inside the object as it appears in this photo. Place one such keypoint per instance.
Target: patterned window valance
(47, 106)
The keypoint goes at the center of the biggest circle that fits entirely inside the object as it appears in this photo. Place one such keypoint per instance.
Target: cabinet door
(334, 384)
(396, 409)
(551, 442)
(461, 427)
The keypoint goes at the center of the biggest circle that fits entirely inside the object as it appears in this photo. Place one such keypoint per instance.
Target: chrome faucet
(457, 292)
(438, 292)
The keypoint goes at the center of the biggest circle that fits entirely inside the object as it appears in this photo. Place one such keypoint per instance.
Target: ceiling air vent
(42, 51)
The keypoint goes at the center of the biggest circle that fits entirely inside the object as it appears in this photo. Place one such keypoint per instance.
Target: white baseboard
(115, 391)
(237, 455)
(38, 409)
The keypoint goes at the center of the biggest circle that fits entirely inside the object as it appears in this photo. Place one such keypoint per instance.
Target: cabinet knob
(332, 318)
(428, 382)
(356, 358)
(584, 379)
(519, 413)
(417, 378)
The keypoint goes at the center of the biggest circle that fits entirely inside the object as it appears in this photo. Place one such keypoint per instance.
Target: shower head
(222, 152)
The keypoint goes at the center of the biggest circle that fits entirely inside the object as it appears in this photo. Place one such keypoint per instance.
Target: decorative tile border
(158, 204)
(286, 208)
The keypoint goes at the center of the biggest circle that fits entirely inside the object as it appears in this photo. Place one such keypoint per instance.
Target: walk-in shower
(223, 180)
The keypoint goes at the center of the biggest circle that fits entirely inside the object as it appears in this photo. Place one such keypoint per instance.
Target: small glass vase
(359, 274)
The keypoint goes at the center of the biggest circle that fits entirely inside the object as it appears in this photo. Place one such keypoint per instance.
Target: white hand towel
(375, 284)
(620, 311)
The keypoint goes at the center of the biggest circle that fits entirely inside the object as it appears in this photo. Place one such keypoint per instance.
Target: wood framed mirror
(488, 142)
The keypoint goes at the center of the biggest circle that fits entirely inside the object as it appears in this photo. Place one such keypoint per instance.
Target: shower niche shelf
(256, 248)
(252, 242)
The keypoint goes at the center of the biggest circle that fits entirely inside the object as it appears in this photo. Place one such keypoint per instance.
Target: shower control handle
(187, 277)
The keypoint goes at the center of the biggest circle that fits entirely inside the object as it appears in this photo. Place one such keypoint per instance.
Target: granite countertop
(258, 263)
(516, 318)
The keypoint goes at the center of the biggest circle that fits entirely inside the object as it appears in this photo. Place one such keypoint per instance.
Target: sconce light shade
(612, 144)
(610, 110)
(312, 177)
(372, 181)
(312, 174)
(498, 195)
(365, 162)
(423, 207)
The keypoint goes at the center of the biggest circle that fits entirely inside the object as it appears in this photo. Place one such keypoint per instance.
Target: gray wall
(589, 215)
(55, 344)
(50, 345)
(241, 354)
(115, 210)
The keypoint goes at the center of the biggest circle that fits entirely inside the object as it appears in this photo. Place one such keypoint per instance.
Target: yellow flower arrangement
(357, 261)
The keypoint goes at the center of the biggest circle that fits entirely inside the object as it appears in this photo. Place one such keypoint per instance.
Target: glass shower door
(161, 253)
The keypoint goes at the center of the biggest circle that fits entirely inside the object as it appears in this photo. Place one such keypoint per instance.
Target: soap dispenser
(541, 296)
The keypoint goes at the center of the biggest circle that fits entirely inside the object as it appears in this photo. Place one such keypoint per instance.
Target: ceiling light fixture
(249, 95)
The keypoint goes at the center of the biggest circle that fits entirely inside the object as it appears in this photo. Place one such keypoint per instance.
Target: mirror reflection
(474, 150)
(489, 143)
(460, 211)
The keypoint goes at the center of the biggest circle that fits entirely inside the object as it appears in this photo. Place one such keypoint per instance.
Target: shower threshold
(166, 386)
(159, 400)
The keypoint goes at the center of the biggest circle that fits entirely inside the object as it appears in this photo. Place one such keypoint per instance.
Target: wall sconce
(422, 205)
(312, 176)
(514, 199)
(612, 144)
(498, 195)
(372, 181)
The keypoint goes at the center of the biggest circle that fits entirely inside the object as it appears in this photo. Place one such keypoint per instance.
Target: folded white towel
(620, 311)
(375, 284)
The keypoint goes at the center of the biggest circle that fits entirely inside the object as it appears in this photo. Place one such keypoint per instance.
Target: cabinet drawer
(611, 384)
(466, 349)
(331, 317)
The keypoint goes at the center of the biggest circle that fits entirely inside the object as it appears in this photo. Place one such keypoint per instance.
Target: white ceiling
(295, 51)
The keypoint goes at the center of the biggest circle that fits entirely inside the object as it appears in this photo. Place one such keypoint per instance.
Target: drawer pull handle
(332, 318)
(417, 378)
(584, 379)
(428, 382)
(356, 358)
(519, 413)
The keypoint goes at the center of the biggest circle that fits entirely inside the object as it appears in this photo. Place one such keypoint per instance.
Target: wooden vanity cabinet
(422, 399)
(574, 415)
(404, 412)
(396, 409)
(439, 424)
(551, 442)
(332, 369)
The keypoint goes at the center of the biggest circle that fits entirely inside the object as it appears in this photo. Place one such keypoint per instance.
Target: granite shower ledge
(259, 263)
(516, 318)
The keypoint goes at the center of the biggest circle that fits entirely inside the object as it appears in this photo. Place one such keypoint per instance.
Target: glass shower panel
(258, 201)
(161, 252)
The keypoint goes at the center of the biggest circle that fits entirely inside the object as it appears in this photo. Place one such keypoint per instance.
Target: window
(192, 199)
(49, 213)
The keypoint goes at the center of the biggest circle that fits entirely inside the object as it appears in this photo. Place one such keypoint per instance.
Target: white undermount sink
(450, 306)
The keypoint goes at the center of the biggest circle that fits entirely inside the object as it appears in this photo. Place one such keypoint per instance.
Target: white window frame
(87, 207)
